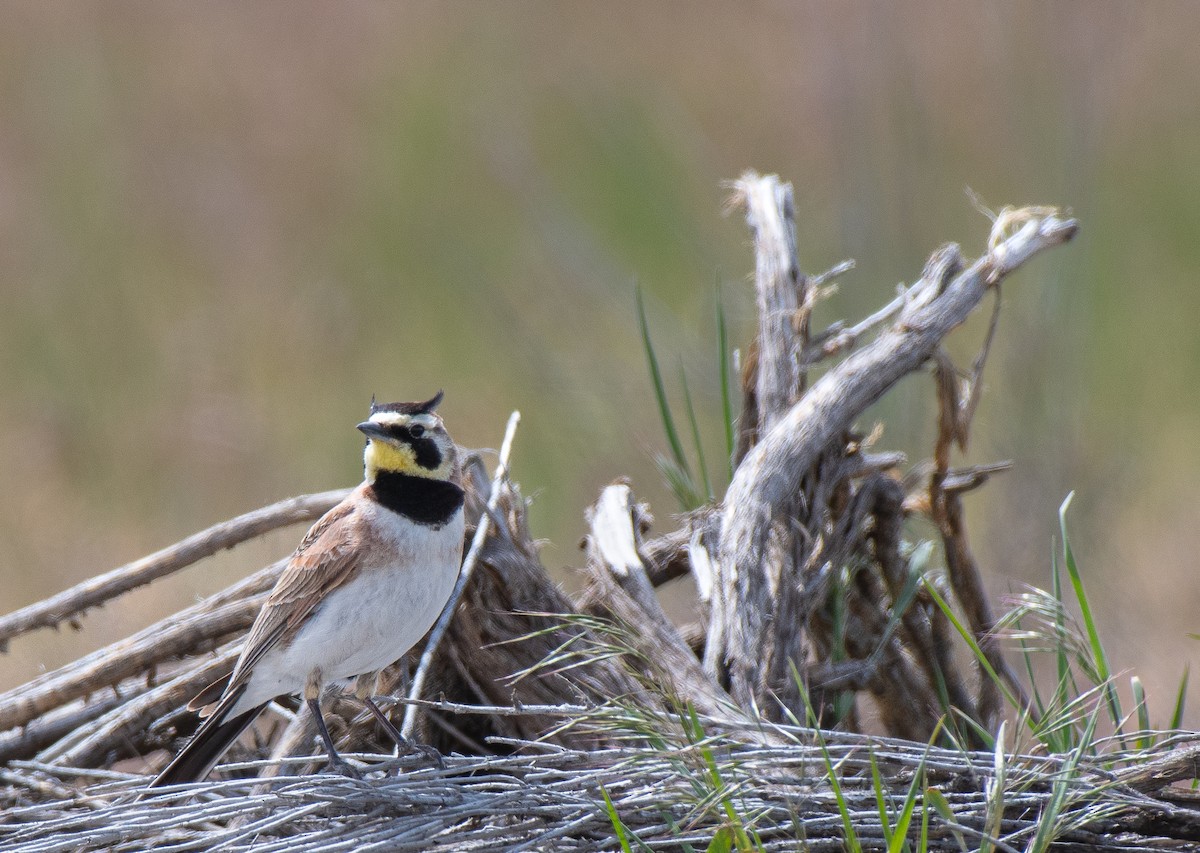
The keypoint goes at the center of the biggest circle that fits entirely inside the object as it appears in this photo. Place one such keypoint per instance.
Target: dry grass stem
(554, 799)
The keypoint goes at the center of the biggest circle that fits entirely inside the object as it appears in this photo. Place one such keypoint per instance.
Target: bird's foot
(430, 753)
(404, 746)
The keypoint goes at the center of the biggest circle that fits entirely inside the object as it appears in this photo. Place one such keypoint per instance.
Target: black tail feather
(205, 748)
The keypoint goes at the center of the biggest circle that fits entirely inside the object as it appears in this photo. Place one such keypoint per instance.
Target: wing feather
(325, 559)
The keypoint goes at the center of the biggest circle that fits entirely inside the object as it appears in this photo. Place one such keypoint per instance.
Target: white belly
(371, 621)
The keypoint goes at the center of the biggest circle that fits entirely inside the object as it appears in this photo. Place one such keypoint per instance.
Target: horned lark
(366, 583)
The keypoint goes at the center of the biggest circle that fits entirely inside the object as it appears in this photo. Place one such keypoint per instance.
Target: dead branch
(666, 556)
(210, 620)
(71, 603)
(779, 285)
(121, 732)
(955, 411)
(621, 590)
(763, 495)
(142, 653)
(1178, 765)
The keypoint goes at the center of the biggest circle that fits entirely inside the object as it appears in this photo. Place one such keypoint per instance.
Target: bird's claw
(430, 753)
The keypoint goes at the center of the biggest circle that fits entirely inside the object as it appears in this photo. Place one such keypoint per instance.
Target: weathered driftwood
(781, 289)
(121, 733)
(191, 631)
(749, 645)
(621, 590)
(808, 595)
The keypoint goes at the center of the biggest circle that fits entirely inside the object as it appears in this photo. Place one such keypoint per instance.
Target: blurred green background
(226, 226)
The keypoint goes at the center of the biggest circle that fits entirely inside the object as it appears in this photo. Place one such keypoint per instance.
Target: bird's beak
(372, 430)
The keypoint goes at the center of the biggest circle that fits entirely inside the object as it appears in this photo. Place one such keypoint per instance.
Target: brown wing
(325, 560)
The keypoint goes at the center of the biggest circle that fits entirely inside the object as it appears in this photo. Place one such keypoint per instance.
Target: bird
(366, 583)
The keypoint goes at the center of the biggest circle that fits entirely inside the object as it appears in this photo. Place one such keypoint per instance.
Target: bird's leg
(364, 687)
(312, 693)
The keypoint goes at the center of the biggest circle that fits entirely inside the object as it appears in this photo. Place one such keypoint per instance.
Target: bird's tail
(206, 747)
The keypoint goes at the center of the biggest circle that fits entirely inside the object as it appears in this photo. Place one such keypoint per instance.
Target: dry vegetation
(839, 688)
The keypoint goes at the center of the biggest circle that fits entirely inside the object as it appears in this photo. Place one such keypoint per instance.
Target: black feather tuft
(419, 408)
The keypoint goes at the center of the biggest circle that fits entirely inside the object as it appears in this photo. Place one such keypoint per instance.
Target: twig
(539, 798)
(70, 603)
(974, 383)
(121, 728)
(1176, 766)
(936, 661)
(666, 556)
(837, 338)
(25, 741)
(840, 268)
(193, 631)
(464, 575)
(954, 427)
(564, 710)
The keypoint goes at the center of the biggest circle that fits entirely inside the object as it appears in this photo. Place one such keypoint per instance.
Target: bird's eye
(416, 430)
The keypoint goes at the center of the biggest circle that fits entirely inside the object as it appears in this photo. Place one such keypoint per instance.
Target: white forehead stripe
(389, 418)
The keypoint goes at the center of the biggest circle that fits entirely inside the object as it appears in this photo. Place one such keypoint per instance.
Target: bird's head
(408, 438)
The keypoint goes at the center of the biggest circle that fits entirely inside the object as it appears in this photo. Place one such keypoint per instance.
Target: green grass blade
(1180, 701)
(617, 824)
(1062, 661)
(691, 413)
(923, 845)
(1145, 739)
(969, 639)
(853, 845)
(899, 840)
(900, 606)
(942, 806)
(885, 821)
(660, 391)
(722, 842)
(1099, 658)
(918, 562)
(726, 400)
(1055, 727)
(995, 800)
(962, 719)
(695, 731)
(844, 701)
(680, 483)
(1035, 692)
(1048, 824)
(851, 837)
